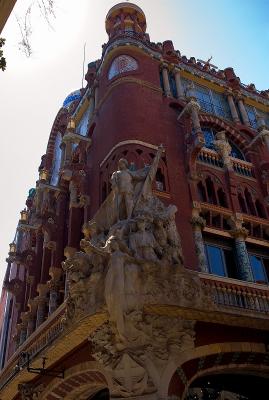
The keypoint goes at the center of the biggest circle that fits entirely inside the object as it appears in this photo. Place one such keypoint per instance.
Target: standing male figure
(123, 186)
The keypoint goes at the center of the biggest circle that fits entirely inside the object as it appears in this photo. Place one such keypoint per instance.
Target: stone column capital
(198, 222)
(229, 92)
(164, 65)
(193, 105)
(240, 233)
(51, 245)
(55, 273)
(42, 289)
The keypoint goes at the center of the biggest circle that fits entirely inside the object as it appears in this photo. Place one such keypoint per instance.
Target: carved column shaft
(180, 91)
(194, 110)
(198, 224)
(233, 109)
(68, 150)
(46, 263)
(243, 112)
(166, 82)
(31, 325)
(41, 309)
(23, 334)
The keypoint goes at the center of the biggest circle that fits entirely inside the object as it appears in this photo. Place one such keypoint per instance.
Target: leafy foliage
(46, 9)
(3, 63)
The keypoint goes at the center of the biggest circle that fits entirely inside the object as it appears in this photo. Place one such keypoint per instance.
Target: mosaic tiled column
(240, 233)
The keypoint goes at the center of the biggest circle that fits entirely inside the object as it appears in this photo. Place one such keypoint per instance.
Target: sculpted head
(140, 223)
(122, 164)
(113, 244)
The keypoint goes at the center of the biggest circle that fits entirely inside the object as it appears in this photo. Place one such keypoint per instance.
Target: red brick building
(214, 168)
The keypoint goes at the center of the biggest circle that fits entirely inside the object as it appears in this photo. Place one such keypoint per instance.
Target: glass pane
(251, 116)
(215, 260)
(221, 106)
(209, 137)
(257, 269)
(230, 263)
(236, 153)
(173, 85)
(203, 97)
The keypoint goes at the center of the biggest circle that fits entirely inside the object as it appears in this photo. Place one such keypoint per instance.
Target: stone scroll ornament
(132, 258)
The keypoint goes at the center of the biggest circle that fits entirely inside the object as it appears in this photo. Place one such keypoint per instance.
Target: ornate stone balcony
(237, 296)
(243, 167)
(209, 156)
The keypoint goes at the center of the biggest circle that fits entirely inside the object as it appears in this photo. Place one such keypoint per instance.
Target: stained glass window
(122, 64)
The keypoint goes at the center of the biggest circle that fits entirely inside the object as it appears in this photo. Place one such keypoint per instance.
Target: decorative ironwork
(24, 361)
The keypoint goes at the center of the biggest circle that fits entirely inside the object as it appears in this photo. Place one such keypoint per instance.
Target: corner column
(242, 109)
(41, 303)
(240, 233)
(233, 109)
(180, 91)
(166, 84)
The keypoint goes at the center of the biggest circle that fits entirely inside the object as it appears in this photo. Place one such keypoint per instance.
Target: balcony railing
(242, 167)
(209, 156)
(237, 294)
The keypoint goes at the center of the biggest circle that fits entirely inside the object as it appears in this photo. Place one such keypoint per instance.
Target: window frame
(261, 257)
(221, 247)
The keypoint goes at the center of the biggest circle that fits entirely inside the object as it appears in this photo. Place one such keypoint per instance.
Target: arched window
(160, 181)
(222, 198)
(249, 201)
(57, 160)
(242, 203)
(211, 194)
(260, 209)
(201, 192)
(122, 64)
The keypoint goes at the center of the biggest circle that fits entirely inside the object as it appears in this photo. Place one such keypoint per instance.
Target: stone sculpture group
(132, 259)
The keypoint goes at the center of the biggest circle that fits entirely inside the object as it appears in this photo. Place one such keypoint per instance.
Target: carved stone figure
(123, 186)
(143, 243)
(175, 250)
(29, 392)
(223, 147)
(115, 286)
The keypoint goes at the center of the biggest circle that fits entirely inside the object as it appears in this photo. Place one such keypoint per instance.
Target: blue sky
(235, 33)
